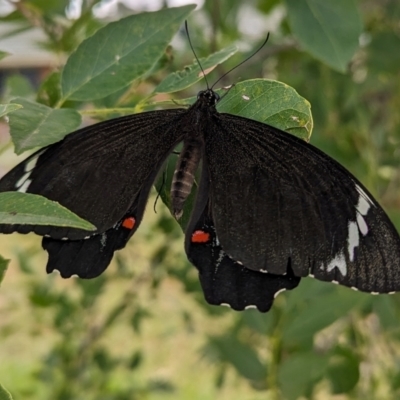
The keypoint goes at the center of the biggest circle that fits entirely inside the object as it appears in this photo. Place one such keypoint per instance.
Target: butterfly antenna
(245, 60)
(198, 61)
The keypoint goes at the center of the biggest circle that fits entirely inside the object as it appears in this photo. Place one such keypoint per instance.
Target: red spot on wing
(129, 223)
(200, 237)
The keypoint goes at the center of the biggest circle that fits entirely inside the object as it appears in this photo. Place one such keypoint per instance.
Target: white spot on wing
(103, 239)
(353, 240)
(362, 225)
(22, 180)
(220, 258)
(365, 197)
(279, 292)
(362, 206)
(225, 305)
(24, 186)
(338, 262)
(264, 271)
(250, 307)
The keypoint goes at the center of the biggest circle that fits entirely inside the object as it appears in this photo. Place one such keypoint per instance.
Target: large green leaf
(191, 74)
(119, 53)
(31, 209)
(271, 102)
(329, 30)
(36, 125)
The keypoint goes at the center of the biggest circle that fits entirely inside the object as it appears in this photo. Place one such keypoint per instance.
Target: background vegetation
(142, 329)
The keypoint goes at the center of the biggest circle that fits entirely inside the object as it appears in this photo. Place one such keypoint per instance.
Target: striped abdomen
(185, 170)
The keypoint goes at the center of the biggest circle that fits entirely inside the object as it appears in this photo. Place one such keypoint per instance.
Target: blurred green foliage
(143, 330)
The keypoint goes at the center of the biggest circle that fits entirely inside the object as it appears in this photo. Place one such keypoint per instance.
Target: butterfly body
(270, 208)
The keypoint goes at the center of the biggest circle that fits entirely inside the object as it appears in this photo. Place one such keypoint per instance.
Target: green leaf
(319, 312)
(36, 125)
(383, 53)
(27, 208)
(271, 102)
(49, 92)
(241, 356)
(3, 267)
(7, 108)
(119, 53)
(343, 371)
(329, 30)
(4, 394)
(387, 310)
(191, 74)
(18, 86)
(298, 374)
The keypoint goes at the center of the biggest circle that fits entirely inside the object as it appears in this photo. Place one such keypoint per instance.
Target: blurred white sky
(109, 7)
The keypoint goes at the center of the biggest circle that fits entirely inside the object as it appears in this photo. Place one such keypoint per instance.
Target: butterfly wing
(276, 198)
(226, 282)
(89, 257)
(98, 171)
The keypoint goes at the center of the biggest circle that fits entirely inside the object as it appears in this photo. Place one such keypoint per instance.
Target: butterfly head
(208, 97)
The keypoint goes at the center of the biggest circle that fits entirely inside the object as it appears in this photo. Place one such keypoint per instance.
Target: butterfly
(270, 208)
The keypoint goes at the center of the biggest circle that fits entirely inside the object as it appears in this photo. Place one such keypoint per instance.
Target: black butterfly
(270, 208)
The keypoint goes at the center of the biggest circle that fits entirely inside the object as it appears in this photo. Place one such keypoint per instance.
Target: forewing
(97, 171)
(276, 198)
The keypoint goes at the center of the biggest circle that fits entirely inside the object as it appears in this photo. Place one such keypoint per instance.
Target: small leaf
(343, 371)
(329, 30)
(241, 356)
(32, 209)
(191, 74)
(36, 125)
(4, 394)
(50, 90)
(7, 108)
(119, 53)
(3, 267)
